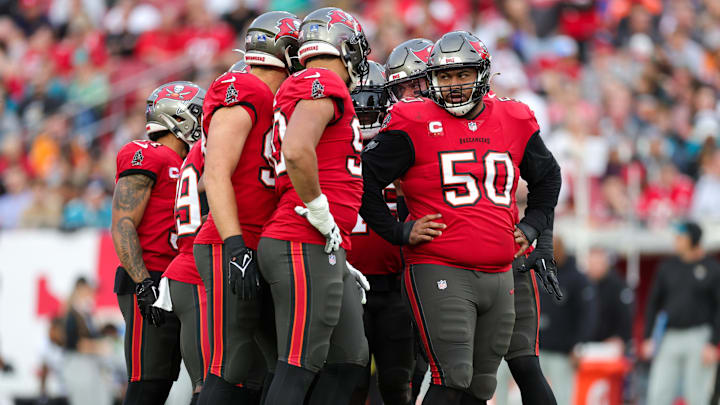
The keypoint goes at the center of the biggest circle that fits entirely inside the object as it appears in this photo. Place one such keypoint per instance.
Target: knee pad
(459, 376)
(483, 386)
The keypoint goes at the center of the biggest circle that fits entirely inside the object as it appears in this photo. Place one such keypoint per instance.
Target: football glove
(361, 281)
(147, 293)
(243, 275)
(319, 216)
(541, 259)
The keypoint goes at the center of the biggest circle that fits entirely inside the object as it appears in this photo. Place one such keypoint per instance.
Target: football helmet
(455, 50)
(406, 67)
(240, 65)
(272, 40)
(176, 107)
(370, 100)
(332, 31)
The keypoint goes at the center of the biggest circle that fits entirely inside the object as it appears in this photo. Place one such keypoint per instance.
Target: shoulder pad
(515, 108)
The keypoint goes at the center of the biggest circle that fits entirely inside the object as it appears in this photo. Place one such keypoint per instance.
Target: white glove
(362, 282)
(163, 301)
(319, 216)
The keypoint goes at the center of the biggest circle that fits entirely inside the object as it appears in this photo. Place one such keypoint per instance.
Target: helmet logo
(424, 54)
(177, 92)
(340, 17)
(480, 48)
(288, 27)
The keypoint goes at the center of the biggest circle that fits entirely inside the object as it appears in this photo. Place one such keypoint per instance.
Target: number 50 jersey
(338, 158)
(467, 170)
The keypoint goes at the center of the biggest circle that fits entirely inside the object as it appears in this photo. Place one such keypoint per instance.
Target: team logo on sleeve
(137, 158)
(385, 122)
(231, 95)
(318, 90)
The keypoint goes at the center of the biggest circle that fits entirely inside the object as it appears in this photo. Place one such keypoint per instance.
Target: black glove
(541, 260)
(243, 273)
(147, 294)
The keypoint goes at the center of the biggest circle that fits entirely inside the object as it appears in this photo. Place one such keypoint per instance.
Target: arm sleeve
(385, 158)
(654, 302)
(542, 173)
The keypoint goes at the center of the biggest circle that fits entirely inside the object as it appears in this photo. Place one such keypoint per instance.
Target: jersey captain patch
(231, 95)
(137, 158)
(318, 90)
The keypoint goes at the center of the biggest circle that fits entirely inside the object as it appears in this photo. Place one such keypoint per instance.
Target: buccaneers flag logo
(341, 17)
(424, 54)
(177, 92)
(289, 27)
(480, 48)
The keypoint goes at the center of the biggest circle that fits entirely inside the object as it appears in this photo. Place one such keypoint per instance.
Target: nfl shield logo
(442, 284)
(472, 126)
(332, 259)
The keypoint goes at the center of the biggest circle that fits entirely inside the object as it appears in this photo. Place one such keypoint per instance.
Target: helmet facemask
(398, 88)
(354, 55)
(478, 87)
(371, 103)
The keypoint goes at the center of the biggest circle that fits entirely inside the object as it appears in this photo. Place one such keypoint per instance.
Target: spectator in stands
(564, 324)
(16, 199)
(614, 301)
(707, 190)
(686, 289)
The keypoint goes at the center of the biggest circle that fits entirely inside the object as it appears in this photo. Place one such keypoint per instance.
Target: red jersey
(157, 227)
(253, 179)
(338, 156)
(468, 171)
(188, 216)
(371, 254)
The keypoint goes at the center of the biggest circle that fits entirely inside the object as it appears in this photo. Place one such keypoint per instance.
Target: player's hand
(541, 259)
(426, 229)
(319, 216)
(522, 241)
(147, 293)
(243, 275)
(362, 282)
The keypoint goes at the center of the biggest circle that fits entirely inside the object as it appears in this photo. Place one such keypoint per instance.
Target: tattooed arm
(132, 194)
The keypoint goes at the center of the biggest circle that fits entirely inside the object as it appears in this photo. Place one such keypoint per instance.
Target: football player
(240, 190)
(388, 326)
(459, 157)
(406, 69)
(143, 232)
(317, 144)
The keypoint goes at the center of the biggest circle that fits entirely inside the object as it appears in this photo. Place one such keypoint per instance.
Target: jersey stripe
(217, 309)
(136, 350)
(537, 314)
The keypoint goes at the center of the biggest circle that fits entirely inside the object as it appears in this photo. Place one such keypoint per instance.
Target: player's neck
(476, 111)
(334, 64)
(272, 77)
(172, 142)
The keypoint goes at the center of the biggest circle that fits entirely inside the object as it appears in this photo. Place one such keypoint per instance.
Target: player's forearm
(221, 199)
(128, 249)
(302, 168)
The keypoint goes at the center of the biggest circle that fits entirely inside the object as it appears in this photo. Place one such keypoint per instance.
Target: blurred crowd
(625, 91)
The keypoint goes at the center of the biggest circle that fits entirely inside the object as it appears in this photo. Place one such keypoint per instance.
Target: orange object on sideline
(600, 382)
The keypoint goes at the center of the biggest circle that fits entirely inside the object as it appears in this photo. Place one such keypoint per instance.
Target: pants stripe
(217, 310)
(436, 372)
(300, 303)
(537, 316)
(203, 337)
(137, 332)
